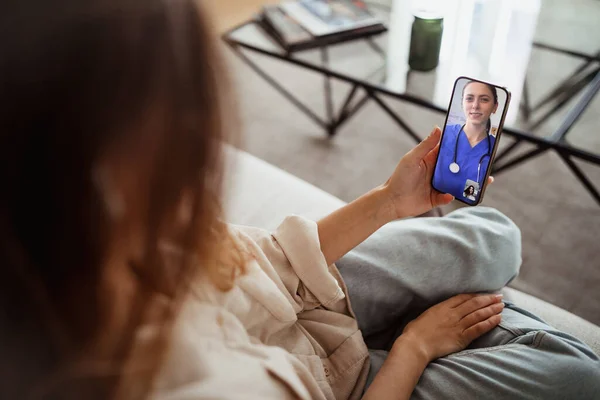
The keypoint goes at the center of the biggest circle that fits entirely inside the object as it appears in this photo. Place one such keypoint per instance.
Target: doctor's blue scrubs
(467, 159)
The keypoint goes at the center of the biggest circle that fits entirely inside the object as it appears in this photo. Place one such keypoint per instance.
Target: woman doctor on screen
(466, 149)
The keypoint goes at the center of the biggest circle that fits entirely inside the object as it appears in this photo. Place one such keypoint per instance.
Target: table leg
(565, 85)
(331, 125)
(507, 151)
(346, 112)
(525, 103)
(307, 111)
(496, 169)
(591, 90)
(565, 98)
(394, 116)
(581, 176)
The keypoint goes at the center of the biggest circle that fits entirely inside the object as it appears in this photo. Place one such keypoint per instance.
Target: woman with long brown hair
(121, 280)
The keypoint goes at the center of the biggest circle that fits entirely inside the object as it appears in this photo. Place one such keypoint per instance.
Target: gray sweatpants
(410, 265)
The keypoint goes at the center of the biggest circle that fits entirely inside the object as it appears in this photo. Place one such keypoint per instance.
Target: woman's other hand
(409, 188)
(452, 325)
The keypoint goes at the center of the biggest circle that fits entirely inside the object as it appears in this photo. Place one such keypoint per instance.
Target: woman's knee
(498, 242)
(579, 373)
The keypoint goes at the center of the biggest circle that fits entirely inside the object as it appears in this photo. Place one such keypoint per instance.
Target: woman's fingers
(476, 303)
(490, 180)
(440, 199)
(482, 327)
(459, 299)
(481, 315)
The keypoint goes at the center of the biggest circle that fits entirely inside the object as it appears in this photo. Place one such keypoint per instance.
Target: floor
(560, 222)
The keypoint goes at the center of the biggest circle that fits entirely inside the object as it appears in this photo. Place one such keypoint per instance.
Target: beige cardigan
(286, 330)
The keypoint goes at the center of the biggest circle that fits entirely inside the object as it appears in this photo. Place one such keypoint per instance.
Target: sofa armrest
(259, 194)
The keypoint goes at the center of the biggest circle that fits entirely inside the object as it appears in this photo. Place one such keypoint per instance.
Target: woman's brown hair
(81, 81)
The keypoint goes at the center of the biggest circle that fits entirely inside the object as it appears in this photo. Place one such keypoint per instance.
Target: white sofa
(259, 194)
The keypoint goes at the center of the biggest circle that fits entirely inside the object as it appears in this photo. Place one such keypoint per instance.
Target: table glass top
(489, 40)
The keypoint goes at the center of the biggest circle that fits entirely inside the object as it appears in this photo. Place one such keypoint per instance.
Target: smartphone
(470, 139)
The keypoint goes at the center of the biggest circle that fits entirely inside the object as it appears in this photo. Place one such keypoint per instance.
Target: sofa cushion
(259, 194)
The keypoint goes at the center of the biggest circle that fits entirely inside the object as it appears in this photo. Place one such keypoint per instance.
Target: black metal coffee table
(489, 40)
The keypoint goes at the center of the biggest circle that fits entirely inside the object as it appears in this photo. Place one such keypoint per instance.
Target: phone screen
(470, 138)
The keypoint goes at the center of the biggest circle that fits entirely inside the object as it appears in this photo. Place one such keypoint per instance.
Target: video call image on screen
(468, 139)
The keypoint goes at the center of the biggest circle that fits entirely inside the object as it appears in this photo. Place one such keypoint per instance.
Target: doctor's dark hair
(494, 92)
(93, 93)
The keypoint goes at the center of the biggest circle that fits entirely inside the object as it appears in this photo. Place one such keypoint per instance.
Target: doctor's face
(478, 103)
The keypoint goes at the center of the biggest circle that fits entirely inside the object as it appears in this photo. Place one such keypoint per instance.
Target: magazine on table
(326, 17)
(286, 28)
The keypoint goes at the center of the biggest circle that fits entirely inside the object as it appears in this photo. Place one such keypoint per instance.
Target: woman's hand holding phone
(407, 192)
(409, 188)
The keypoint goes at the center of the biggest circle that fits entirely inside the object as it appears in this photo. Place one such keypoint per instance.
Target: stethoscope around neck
(455, 168)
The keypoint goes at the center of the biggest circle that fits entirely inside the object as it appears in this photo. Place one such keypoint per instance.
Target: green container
(425, 42)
